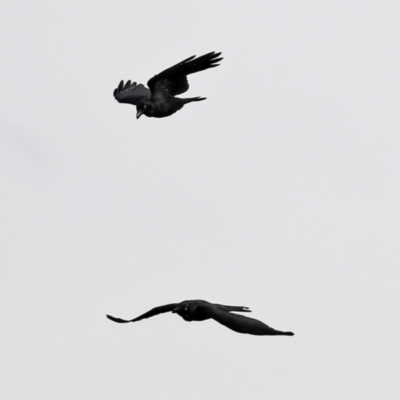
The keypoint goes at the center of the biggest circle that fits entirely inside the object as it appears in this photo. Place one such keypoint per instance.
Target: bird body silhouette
(159, 99)
(201, 310)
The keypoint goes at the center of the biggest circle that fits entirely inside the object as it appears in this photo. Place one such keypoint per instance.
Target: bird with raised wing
(201, 310)
(159, 99)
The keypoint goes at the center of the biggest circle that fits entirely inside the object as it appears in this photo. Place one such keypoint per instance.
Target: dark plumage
(200, 310)
(159, 100)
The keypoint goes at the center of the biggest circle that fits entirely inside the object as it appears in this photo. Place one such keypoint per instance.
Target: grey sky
(280, 192)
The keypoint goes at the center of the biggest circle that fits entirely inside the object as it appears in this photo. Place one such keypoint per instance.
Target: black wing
(131, 93)
(148, 314)
(174, 81)
(242, 324)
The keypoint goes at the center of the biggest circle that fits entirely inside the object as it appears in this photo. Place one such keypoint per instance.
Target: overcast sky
(280, 192)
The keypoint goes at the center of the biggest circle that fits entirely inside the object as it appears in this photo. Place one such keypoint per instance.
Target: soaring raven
(159, 100)
(200, 310)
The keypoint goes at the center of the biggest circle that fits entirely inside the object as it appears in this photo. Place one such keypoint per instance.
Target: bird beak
(175, 310)
(138, 114)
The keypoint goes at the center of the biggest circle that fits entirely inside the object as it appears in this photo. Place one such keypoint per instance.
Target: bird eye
(145, 106)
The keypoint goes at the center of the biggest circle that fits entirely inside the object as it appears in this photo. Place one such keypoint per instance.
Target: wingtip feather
(119, 320)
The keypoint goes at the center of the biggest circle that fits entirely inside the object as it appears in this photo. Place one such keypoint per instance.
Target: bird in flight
(201, 310)
(159, 99)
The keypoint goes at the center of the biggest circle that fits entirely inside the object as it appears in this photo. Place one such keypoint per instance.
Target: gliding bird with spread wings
(159, 100)
(201, 310)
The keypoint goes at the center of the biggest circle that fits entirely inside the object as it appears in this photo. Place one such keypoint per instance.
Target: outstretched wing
(174, 81)
(240, 323)
(131, 93)
(148, 314)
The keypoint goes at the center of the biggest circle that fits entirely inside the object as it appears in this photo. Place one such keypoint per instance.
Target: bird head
(184, 310)
(145, 107)
(181, 309)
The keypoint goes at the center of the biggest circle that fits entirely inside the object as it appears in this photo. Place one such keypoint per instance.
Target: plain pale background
(280, 192)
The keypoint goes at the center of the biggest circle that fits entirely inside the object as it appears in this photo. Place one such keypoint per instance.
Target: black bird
(159, 100)
(200, 310)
